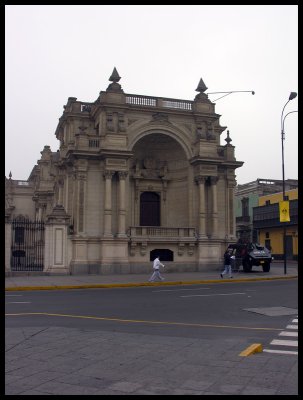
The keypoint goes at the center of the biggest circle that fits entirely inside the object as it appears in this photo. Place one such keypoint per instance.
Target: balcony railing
(158, 102)
(159, 231)
(141, 100)
(94, 143)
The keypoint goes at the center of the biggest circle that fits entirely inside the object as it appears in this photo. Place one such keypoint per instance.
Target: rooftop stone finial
(202, 97)
(201, 87)
(115, 86)
(228, 139)
(114, 76)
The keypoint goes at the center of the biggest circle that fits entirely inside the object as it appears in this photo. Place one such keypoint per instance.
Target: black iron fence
(27, 250)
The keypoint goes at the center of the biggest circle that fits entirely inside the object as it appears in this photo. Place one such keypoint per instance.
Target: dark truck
(249, 255)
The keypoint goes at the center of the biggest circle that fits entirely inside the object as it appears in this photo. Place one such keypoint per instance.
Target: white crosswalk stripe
(286, 333)
(279, 346)
(293, 343)
(292, 327)
(280, 351)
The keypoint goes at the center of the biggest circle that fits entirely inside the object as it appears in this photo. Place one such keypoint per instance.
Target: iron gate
(27, 251)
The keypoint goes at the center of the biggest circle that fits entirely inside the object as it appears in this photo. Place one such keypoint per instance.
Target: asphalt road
(176, 339)
(200, 310)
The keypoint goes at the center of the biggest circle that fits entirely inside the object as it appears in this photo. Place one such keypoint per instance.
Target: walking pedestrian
(156, 274)
(227, 263)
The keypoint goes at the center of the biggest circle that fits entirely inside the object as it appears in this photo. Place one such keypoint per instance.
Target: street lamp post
(291, 97)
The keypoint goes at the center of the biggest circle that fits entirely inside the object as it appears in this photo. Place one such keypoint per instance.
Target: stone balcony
(158, 234)
(181, 237)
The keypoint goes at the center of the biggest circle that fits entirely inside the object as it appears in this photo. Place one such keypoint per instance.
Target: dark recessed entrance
(164, 254)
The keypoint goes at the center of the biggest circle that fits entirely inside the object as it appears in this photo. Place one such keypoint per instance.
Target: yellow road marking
(253, 348)
(145, 321)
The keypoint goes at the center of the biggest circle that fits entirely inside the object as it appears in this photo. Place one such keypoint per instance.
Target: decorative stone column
(81, 178)
(213, 181)
(60, 191)
(200, 180)
(41, 210)
(231, 229)
(122, 211)
(108, 203)
(114, 249)
(56, 242)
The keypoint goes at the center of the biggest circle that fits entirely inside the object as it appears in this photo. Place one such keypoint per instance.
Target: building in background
(270, 231)
(134, 177)
(247, 197)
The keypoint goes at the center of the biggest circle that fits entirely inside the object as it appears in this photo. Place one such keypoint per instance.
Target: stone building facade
(136, 176)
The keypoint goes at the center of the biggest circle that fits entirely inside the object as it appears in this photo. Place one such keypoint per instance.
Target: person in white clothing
(156, 274)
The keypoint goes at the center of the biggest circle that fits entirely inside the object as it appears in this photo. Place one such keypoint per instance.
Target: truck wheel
(266, 267)
(247, 266)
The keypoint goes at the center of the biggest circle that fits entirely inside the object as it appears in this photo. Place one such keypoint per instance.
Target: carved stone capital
(213, 180)
(231, 182)
(108, 174)
(200, 179)
(81, 176)
(122, 175)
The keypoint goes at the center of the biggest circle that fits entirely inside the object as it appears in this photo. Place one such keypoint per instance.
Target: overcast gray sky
(53, 52)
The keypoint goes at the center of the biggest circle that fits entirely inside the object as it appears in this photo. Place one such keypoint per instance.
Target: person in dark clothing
(227, 264)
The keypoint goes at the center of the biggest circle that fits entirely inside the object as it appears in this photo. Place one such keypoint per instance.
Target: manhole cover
(273, 311)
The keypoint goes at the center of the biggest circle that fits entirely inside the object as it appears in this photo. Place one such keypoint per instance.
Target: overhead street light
(232, 91)
(202, 88)
(292, 96)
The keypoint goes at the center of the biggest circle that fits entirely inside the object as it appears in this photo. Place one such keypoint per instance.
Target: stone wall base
(120, 269)
(140, 268)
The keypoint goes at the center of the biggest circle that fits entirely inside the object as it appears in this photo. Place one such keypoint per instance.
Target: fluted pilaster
(122, 211)
(108, 203)
(200, 180)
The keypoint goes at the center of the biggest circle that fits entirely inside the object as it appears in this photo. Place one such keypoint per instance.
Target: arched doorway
(164, 254)
(149, 209)
(160, 167)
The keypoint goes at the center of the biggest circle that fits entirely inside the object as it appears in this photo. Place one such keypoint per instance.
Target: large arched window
(149, 209)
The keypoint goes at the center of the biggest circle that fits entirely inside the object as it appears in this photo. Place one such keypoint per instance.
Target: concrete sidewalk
(48, 282)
